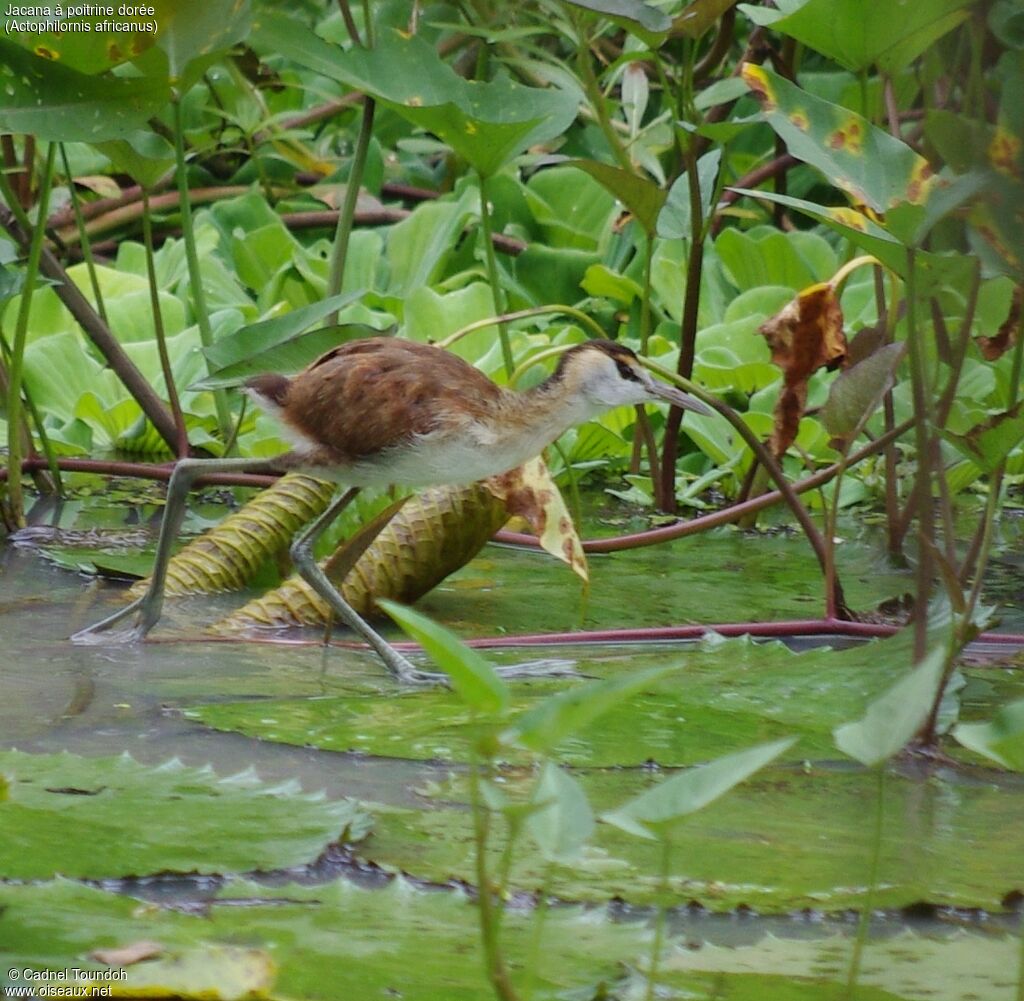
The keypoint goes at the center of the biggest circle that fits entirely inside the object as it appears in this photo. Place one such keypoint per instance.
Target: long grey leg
(399, 666)
(147, 608)
(306, 565)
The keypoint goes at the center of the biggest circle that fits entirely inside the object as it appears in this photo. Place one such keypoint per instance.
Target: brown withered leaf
(805, 335)
(530, 492)
(995, 347)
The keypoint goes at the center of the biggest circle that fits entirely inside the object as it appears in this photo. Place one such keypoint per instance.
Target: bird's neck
(535, 418)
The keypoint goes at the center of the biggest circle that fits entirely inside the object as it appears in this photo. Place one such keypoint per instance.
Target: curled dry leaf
(434, 534)
(1006, 337)
(807, 334)
(226, 557)
(405, 553)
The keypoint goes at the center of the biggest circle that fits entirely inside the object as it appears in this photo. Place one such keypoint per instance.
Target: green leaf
(647, 23)
(858, 390)
(859, 35)
(698, 16)
(168, 818)
(893, 718)
(419, 247)
(192, 35)
(144, 156)
(93, 50)
(545, 726)
(654, 813)
(602, 282)
(562, 822)
(333, 941)
(257, 339)
(639, 194)
(989, 443)
(867, 163)
(1002, 739)
(478, 684)
(934, 271)
(486, 123)
(1006, 21)
(674, 221)
(55, 103)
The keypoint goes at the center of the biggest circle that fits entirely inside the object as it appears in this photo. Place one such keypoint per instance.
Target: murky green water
(774, 866)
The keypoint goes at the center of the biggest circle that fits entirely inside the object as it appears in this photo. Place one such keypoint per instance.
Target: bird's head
(609, 375)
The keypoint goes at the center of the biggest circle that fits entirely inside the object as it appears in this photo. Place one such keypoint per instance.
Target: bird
(383, 411)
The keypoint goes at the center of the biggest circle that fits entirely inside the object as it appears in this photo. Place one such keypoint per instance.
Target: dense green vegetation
(809, 213)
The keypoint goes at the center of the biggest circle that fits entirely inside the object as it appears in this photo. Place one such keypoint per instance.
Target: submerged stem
(869, 900)
(660, 921)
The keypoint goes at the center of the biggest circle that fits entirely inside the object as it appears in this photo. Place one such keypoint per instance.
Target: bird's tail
(269, 390)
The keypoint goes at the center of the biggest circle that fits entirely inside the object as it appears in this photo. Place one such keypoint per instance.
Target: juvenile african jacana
(382, 411)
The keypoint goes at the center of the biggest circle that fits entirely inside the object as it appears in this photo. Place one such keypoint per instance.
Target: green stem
(56, 483)
(522, 314)
(922, 437)
(869, 900)
(346, 216)
(765, 457)
(537, 932)
(596, 98)
(14, 417)
(645, 302)
(492, 275)
(1020, 971)
(83, 237)
(195, 276)
(984, 547)
(497, 973)
(173, 400)
(659, 925)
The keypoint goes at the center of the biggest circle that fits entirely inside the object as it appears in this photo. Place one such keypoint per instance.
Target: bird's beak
(676, 397)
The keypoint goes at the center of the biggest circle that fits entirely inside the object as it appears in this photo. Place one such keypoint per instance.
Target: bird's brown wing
(369, 395)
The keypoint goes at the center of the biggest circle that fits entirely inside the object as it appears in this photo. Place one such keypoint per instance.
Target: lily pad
(791, 837)
(724, 696)
(960, 966)
(331, 942)
(64, 813)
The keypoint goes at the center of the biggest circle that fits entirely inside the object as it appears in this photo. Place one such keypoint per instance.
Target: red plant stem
(773, 168)
(651, 634)
(145, 471)
(324, 219)
(613, 544)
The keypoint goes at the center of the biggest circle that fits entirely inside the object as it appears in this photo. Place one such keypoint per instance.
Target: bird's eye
(627, 372)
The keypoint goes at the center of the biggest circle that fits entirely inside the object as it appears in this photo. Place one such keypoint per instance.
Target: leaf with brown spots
(807, 334)
(530, 492)
(1006, 337)
(872, 167)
